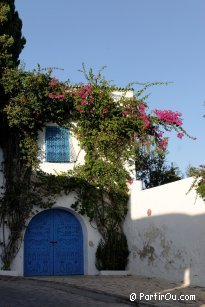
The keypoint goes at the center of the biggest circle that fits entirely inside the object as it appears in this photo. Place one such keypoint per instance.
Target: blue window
(57, 144)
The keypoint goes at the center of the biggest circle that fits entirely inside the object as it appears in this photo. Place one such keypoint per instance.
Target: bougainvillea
(169, 117)
(108, 129)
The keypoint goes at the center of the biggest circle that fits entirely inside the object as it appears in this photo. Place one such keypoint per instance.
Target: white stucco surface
(166, 233)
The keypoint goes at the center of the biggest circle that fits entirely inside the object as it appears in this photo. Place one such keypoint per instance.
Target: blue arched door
(53, 244)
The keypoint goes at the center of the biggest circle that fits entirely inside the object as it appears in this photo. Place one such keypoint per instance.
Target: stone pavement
(18, 291)
(123, 286)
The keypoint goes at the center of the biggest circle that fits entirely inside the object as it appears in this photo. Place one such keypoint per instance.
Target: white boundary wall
(165, 228)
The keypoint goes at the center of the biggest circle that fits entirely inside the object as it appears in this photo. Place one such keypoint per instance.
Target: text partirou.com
(160, 297)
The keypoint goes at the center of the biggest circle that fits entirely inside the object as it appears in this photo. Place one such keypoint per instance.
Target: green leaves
(11, 40)
(199, 179)
(152, 169)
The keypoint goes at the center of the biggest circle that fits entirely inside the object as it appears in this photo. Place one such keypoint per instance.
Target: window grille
(57, 144)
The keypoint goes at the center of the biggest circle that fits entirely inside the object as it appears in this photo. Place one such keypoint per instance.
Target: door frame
(84, 233)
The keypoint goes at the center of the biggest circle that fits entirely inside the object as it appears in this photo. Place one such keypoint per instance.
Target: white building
(164, 226)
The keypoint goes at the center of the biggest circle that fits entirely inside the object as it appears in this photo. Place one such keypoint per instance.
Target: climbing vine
(108, 129)
(199, 180)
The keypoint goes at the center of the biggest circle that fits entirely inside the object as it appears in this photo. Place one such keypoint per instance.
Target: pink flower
(169, 117)
(141, 107)
(105, 111)
(163, 143)
(72, 93)
(58, 96)
(88, 89)
(143, 116)
(180, 135)
(84, 102)
(160, 134)
(131, 180)
(125, 113)
(80, 93)
(63, 88)
(79, 109)
(53, 82)
(84, 92)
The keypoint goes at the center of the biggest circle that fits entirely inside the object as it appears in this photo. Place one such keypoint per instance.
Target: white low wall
(165, 228)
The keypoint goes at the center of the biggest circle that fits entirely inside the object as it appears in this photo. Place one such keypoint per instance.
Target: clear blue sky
(138, 40)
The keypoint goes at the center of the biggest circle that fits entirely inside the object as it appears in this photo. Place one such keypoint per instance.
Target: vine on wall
(109, 131)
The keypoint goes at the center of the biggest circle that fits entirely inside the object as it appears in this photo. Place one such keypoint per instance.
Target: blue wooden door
(53, 244)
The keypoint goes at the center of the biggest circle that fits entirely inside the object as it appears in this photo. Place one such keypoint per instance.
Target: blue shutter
(57, 144)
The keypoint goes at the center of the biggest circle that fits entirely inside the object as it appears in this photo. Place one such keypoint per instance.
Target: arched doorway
(53, 244)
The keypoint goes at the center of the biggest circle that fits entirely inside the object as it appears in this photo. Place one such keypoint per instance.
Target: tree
(152, 170)
(11, 40)
(11, 44)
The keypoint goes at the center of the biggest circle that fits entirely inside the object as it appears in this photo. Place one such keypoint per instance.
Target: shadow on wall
(168, 246)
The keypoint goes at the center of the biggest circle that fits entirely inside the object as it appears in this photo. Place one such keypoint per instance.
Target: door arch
(53, 244)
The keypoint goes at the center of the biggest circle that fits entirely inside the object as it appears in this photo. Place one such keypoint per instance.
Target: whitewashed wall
(165, 228)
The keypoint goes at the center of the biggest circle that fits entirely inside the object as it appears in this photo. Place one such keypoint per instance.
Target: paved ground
(123, 286)
(96, 291)
(17, 292)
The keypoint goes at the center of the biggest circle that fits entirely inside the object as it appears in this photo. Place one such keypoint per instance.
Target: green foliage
(152, 170)
(199, 179)
(113, 253)
(11, 40)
